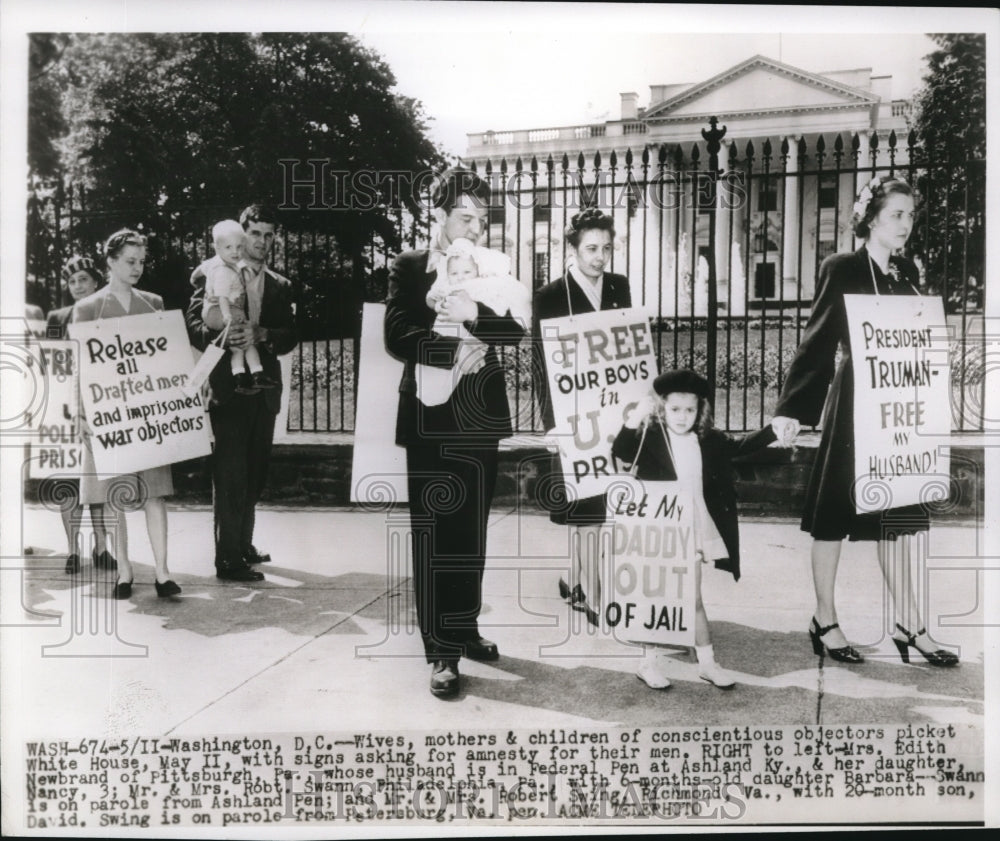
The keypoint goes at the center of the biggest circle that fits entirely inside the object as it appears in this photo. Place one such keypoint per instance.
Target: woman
(125, 252)
(585, 287)
(883, 218)
(82, 279)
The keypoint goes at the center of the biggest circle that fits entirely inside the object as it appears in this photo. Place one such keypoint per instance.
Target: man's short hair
(459, 181)
(258, 213)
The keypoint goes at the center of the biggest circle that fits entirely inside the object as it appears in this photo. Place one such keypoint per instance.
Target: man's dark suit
(451, 456)
(243, 424)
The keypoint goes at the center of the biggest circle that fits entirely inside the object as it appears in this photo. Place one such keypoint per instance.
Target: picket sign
(210, 357)
(648, 590)
(902, 400)
(132, 376)
(599, 365)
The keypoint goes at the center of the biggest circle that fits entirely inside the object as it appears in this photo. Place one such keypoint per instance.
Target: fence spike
(732, 155)
(821, 144)
(695, 155)
(503, 166)
(565, 162)
(645, 156)
(628, 158)
(489, 167)
(784, 147)
(892, 139)
(802, 148)
(597, 160)
(550, 164)
(534, 165)
(613, 159)
(580, 161)
(767, 148)
(911, 140)
(518, 165)
(750, 151)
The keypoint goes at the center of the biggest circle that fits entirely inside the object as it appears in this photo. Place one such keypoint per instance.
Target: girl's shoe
(652, 673)
(72, 564)
(935, 658)
(123, 590)
(716, 675)
(847, 654)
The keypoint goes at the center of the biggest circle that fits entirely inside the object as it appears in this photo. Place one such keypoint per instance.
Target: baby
(485, 276)
(226, 304)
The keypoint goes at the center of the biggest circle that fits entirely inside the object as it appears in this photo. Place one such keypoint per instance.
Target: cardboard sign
(649, 594)
(598, 365)
(902, 400)
(378, 471)
(132, 374)
(55, 445)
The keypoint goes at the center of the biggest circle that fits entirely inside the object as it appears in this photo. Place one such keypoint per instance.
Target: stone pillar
(790, 245)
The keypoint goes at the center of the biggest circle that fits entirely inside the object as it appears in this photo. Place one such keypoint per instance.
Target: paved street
(327, 642)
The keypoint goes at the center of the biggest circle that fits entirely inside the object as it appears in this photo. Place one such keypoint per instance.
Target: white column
(790, 222)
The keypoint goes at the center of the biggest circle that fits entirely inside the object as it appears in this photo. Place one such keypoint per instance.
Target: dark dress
(717, 453)
(829, 512)
(551, 302)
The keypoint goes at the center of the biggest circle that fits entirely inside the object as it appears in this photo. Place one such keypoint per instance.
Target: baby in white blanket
(485, 276)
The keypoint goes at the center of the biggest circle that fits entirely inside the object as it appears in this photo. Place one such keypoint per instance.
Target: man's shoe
(238, 573)
(255, 557)
(444, 678)
(481, 649)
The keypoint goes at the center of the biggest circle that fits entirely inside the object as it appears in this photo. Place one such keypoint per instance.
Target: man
(242, 422)
(451, 448)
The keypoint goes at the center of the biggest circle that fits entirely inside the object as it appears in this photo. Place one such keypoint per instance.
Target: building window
(828, 191)
(540, 269)
(767, 194)
(763, 281)
(543, 208)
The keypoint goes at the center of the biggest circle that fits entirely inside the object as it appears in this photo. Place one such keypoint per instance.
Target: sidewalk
(326, 642)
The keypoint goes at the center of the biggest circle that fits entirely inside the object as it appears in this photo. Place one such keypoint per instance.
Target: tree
(174, 131)
(950, 123)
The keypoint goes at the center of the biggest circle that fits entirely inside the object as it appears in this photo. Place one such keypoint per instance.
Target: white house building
(775, 219)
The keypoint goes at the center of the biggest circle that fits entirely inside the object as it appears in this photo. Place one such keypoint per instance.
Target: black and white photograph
(458, 418)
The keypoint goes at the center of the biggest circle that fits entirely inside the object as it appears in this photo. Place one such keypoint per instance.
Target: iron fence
(721, 240)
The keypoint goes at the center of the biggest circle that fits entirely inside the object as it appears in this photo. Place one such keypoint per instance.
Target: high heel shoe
(123, 590)
(935, 658)
(166, 589)
(72, 564)
(564, 590)
(847, 654)
(104, 560)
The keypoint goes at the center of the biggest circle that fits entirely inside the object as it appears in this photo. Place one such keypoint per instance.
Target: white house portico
(787, 182)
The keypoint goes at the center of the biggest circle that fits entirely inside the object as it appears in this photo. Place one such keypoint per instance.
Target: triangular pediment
(758, 86)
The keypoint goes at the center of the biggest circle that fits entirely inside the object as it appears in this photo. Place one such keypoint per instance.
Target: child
(484, 275)
(670, 437)
(226, 304)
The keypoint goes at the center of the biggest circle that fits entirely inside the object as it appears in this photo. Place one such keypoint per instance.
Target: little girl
(670, 437)
(485, 276)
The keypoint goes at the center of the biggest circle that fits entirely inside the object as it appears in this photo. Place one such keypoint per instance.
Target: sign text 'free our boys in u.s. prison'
(598, 365)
